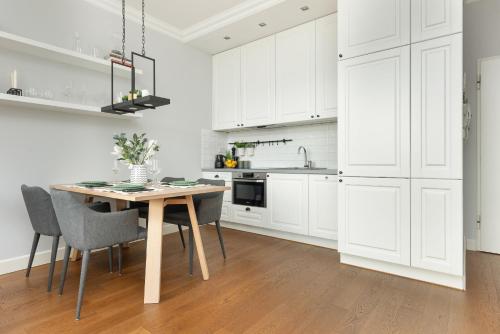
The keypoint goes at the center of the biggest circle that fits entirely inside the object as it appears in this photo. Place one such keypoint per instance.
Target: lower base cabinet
(437, 225)
(374, 218)
(227, 212)
(323, 206)
(247, 215)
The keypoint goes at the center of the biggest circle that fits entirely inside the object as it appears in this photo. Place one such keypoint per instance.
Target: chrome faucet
(307, 163)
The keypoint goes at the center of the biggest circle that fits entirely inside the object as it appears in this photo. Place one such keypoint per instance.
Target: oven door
(249, 192)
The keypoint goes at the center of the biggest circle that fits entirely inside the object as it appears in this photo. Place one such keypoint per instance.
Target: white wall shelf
(58, 54)
(51, 105)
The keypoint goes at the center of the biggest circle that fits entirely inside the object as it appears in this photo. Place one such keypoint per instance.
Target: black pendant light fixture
(137, 102)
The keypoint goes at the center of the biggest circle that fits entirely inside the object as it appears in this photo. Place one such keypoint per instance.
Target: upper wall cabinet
(226, 112)
(326, 66)
(367, 26)
(436, 113)
(374, 114)
(435, 18)
(295, 73)
(258, 82)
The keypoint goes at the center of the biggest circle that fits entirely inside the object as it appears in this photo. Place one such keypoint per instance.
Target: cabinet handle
(242, 124)
(247, 209)
(340, 180)
(340, 55)
(317, 115)
(340, 172)
(216, 176)
(326, 177)
(312, 116)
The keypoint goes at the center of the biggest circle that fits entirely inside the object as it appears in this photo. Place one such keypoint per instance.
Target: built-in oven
(249, 189)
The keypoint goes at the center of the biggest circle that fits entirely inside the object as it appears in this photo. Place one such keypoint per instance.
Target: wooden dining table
(160, 197)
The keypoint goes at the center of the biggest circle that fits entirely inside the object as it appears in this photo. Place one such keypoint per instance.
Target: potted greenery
(136, 152)
(240, 148)
(250, 149)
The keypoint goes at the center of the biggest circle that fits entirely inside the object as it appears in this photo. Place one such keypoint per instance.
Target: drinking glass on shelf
(31, 92)
(155, 170)
(68, 91)
(115, 168)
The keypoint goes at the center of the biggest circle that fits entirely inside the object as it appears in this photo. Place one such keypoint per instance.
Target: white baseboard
(471, 245)
(452, 281)
(43, 257)
(282, 235)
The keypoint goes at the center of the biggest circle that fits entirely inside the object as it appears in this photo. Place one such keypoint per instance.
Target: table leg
(197, 237)
(153, 252)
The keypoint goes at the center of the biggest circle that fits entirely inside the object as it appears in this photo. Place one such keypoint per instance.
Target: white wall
(42, 148)
(320, 140)
(481, 29)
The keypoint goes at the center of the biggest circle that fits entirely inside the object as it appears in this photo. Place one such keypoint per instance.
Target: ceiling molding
(134, 15)
(229, 16)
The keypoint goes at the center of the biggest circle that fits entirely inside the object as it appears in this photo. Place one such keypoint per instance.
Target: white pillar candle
(13, 79)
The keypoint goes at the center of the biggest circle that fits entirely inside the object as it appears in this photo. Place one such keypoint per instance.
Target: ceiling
(205, 23)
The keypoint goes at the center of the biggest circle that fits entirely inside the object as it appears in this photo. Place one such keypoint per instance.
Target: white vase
(138, 174)
(240, 151)
(250, 151)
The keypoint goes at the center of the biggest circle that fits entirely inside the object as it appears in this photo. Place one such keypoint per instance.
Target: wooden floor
(266, 285)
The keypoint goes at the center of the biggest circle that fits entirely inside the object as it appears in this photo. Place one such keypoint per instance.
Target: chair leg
(221, 239)
(36, 237)
(120, 259)
(53, 254)
(182, 236)
(110, 258)
(191, 250)
(67, 253)
(83, 276)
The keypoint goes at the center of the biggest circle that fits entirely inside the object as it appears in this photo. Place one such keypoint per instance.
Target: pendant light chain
(123, 31)
(143, 32)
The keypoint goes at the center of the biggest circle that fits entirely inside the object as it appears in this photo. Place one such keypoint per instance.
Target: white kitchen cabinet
(287, 200)
(227, 177)
(437, 226)
(374, 218)
(295, 74)
(226, 109)
(227, 212)
(326, 67)
(250, 215)
(435, 18)
(374, 114)
(258, 82)
(323, 206)
(436, 108)
(367, 26)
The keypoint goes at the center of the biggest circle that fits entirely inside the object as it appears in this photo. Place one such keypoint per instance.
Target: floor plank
(266, 285)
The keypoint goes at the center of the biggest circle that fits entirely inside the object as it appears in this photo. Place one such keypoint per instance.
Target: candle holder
(15, 91)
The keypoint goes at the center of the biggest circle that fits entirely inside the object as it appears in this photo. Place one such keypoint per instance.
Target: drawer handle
(216, 176)
(247, 209)
(326, 177)
(340, 180)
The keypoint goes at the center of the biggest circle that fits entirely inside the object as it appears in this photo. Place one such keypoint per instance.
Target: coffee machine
(219, 161)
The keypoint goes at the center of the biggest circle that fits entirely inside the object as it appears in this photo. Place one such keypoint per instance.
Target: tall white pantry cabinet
(400, 206)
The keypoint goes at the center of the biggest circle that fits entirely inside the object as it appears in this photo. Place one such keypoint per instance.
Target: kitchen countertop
(275, 170)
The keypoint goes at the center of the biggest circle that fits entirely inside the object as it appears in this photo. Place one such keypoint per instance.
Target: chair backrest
(40, 210)
(209, 206)
(71, 216)
(171, 179)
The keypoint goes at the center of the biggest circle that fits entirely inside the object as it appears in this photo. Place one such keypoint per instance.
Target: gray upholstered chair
(44, 222)
(208, 210)
(85, 230)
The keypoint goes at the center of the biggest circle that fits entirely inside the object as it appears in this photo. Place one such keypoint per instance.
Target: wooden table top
(162, 192)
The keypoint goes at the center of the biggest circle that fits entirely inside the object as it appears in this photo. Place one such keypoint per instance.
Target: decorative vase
(240, 151)
(250, 151)
(138, 174)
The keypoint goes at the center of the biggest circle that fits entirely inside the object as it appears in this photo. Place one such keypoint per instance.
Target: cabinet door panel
(374, 218)
(250, 215)
(288, 202)
(258, 82)
(326, 66)
(323, 206)
(435, 18)
(437, 108)
(374, 114)
(295, 73)
(367, 26)
(437, 227)
(226, 90)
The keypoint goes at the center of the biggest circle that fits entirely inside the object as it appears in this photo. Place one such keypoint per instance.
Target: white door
(226, 111)
(367, 26)
(323, 206)
(374, 218)
(436, 108)
(326, 67)
(374, 114)
(295, 73)
(287, 202)
(435, 18)
(437, 225)
(258, 73)
(489, 136)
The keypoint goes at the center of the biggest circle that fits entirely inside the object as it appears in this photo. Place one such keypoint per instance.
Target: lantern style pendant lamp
(137, 102)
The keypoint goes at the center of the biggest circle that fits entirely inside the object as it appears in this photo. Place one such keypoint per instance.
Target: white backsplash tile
(320, 140)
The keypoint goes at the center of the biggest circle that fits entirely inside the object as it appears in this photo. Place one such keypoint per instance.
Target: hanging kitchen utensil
(137, 101)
